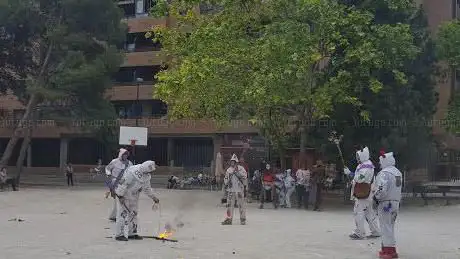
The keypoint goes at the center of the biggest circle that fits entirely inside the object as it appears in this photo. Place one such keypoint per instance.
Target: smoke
(186, 203)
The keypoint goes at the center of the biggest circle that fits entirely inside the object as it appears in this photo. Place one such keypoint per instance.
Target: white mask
(268, 167)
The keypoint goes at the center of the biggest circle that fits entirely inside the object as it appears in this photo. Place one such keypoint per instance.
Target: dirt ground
(72, 223)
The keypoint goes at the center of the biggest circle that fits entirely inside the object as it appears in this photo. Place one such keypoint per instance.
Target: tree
(449, 52)
(73, 54)
(400, 113)
(303, 56)
(16, 49)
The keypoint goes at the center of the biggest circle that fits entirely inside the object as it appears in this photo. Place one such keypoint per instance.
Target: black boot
(135, 237)
(227, 221)
(121, 238)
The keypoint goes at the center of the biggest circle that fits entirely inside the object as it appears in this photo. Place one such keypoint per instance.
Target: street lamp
(138, 83)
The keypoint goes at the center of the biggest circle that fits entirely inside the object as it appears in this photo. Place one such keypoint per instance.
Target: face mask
(268, 167)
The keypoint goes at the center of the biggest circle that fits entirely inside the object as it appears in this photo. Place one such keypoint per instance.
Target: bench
(447, 191)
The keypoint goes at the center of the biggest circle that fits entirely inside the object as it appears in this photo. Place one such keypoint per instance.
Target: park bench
(447, 191)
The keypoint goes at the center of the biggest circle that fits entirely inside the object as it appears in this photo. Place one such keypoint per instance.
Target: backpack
(362, 190)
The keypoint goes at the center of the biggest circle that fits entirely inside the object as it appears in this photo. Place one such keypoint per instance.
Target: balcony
(149, 58)
(136, 15)
(126, 92)
(51, 129)
(144, 24)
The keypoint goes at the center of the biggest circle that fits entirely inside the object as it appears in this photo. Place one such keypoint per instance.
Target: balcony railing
(136, 48)
(133, 83)
(163, 126)
(148, 58)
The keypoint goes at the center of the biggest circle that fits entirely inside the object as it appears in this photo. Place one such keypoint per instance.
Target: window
(128, 8)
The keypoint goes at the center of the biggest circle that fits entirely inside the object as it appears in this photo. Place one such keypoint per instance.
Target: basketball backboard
(128, 135)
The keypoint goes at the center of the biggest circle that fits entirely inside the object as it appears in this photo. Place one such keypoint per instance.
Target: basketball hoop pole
(133, 150)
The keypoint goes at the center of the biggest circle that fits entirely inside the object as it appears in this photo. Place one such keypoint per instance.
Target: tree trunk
(29, 108)
(22, 154)
(282, 155)
(303, 143)
(19, 130)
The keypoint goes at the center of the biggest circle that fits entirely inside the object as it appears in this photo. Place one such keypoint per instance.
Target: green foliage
(452, 117)
(68, 55)
(400, 114)
(18, 25)
(302, 58)
(81, 37)
(448, 40)
(448, 50)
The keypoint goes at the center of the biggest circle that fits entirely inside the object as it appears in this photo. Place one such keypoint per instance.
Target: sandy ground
(63, 223)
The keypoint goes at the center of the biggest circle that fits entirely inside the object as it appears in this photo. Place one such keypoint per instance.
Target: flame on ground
(165, 234)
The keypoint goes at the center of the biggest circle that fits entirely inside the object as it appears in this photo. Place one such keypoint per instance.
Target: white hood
(387, 160)
(363, 155)
(234, 158)
(147, 167)
(122, 152)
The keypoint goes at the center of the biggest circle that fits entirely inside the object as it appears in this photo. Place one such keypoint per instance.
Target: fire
(166, 234)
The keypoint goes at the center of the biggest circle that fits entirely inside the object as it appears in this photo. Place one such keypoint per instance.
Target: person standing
(234, 179)
(302, 186)
(268, 186)
(280, 193)
(289, 187)
(5, 180)
(69, 174)
(362, 186)
(318, 178)
(114, 171)
(135, 180)
(387, 198)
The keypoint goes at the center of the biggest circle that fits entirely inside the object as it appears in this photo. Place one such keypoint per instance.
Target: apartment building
(183, 143)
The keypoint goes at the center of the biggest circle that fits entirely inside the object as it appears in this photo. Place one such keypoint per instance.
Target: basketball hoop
(133, 142)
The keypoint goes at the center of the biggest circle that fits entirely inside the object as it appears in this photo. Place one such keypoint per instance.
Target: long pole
(137, 105)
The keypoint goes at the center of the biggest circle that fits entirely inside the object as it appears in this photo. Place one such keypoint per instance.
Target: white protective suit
(113, 170)
(279, 187)
(234, 182)
(388, 196)
(289, 187)
(363, 211)
(135, 179)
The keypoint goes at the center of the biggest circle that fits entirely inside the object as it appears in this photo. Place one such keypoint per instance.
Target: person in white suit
(388, 197)
(114, 170)
(135, 180)
(363, 189)
(234, 182)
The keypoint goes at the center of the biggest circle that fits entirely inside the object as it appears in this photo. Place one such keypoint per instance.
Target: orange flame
(166, 234)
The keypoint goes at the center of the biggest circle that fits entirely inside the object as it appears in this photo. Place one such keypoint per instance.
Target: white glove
(346, 171)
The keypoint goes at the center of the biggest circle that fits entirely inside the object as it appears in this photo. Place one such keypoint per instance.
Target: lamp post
(138, 83)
